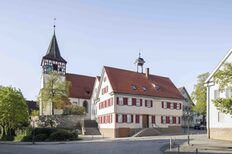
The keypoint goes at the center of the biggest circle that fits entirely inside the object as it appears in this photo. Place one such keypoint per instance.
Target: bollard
(178, 148)
(188, 140)
(170, 144)
(196, 150)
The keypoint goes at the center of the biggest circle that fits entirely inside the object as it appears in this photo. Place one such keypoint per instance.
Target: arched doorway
(85, 105)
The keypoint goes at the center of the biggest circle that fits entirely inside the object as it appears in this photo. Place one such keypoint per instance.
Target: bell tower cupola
(53, 60)
(139, 62)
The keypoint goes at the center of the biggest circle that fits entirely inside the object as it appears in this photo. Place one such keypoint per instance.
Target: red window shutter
(133, 101)
(151, 103)
(132, 118)
(179, 119)
(99, 105)
(124, 118)
(153, 119)
(168, 105)
(168, 119)
(111, 116)
(175, 105)
(117, 100)
(109, 102)
(141, 102)
(145, 102)
(116, 118)
(162, 104)
(137, 118)
(174, 120)
(180, 106)
(162, 120)
(125, 101)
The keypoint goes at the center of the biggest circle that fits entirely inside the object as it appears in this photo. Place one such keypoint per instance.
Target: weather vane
(54, 23)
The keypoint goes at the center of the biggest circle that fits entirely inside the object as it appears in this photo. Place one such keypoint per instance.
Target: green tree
(199, 94)
(55, 92)
(13, 111)
(223, 78)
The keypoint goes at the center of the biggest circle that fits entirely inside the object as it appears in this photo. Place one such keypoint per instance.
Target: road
(114, 147)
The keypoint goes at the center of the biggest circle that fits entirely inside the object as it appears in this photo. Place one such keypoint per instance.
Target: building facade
(219, 125)
(130, 101)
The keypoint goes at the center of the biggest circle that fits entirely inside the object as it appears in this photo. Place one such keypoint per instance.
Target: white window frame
(138, 102)
(178, 106)
(129, 120)
(165, 105)
(120, 101)
(120, 118)
(171, 119)
(172, 106)
(129, 101)
(164, 119)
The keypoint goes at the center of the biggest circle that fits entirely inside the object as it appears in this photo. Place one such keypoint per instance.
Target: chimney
(147, 72)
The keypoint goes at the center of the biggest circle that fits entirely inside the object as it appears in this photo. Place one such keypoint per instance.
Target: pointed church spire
(53, 52)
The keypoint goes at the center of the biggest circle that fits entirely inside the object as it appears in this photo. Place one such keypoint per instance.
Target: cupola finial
(54, 24)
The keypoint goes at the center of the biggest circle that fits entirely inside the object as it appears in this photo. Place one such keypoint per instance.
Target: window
(171, 119)
(105, 79)
(137, 118)
(144, 88)
(163, 119)
(138, 102)
(55, 67)
(165, 105)
(129, 101)
(148, 103)
(129, 118)
(228, 93)
(133, 87)
(125, 101)
(216, 94)
(171, 105)
(120, 100)
(85, 105)
(178, 106)
(119, 118)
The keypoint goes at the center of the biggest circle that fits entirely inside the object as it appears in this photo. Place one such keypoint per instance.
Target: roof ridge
(134, 71)
(80, 75)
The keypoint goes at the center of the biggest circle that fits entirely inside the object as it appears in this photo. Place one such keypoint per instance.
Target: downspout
(208, 115)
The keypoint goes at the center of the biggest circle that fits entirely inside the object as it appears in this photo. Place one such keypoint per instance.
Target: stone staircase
(147, 132)
(90, 127)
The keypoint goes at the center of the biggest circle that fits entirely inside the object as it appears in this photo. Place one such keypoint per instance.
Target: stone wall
(60, 121)
(221, 133)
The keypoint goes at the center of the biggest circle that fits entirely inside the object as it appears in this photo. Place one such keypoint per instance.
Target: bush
(23, 135)
(74, 110)
(41, 137)
(35, 113)
(63, 135)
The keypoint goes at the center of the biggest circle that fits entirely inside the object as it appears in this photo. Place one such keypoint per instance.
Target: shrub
(41, 137)
(35, 113)
(74, 110)
(63, 135)
(23, 135)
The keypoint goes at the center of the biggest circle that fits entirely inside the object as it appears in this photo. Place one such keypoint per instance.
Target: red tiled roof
(81, 86)
(122, 80)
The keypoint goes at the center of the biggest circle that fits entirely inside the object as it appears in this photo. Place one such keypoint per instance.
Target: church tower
(139, 63)
(52, 61)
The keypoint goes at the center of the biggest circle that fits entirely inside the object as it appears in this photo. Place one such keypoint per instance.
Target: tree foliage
(13, 110)
(199, 94)
(74, 110)
(55, 91)
(223, 78)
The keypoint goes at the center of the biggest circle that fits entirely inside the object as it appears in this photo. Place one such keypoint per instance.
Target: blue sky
(179, 39)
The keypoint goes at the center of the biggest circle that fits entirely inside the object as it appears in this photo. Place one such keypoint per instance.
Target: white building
(219, 124)
(187, 117)
(81, 85)
(129, 101)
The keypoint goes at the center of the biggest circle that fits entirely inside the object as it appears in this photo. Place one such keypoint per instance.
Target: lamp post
(188, 115)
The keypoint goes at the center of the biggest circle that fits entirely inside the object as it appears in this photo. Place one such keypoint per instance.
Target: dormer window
(144, 88)
(55, 67)
(156, 86)
(133, 87)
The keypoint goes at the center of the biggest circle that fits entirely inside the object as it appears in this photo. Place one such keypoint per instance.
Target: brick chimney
(147, 72)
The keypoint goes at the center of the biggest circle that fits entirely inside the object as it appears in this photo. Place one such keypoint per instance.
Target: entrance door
(145, 121)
